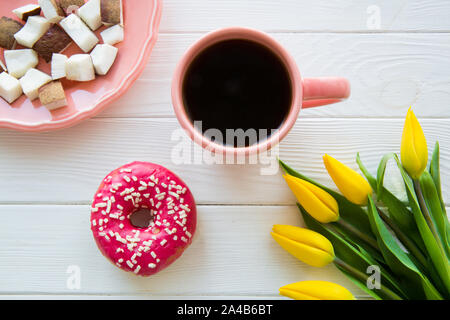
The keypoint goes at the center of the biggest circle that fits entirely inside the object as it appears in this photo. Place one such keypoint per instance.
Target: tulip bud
(304, 244)
(316, 201)
(316, 290)
(414, 152)
(351, 184)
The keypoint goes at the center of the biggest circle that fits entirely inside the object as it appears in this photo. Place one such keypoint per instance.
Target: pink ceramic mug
(306, 93)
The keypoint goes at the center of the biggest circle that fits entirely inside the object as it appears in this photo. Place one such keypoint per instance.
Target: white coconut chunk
(103, 57)
(18, 62)
(10, 88)
(79, 67)
(26, 11)
(51, 10)
(90, 14)
(113, 35)
(79, 32)
(35, 28)
(32, 81)
(58, 66)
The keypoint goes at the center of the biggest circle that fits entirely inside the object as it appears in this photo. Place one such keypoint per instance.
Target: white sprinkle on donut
(137, 269)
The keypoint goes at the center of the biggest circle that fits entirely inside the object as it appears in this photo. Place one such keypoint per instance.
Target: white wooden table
(47, 180)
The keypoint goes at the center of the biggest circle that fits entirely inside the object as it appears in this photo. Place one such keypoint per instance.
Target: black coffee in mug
(237, 84)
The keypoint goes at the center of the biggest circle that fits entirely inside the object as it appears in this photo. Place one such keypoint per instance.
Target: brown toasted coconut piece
(8, 27)
(52, 95)
(69, 5)
(2, 67)
(111, 11)
(27, 11)
(55, 40)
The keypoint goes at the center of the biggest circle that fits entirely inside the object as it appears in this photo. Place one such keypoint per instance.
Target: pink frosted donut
(143, 186)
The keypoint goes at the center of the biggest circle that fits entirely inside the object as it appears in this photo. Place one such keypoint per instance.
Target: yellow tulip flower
(352, 185)
(316, 201)
(414, 152)
(316, 290)
(304, 244)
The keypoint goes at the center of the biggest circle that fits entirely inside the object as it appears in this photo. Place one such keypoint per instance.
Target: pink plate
(86, 99)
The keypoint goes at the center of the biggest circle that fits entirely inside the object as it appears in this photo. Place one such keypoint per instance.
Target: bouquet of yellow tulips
(367, 229)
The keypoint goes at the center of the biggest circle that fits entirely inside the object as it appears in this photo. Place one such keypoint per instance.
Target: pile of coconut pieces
(47, 36)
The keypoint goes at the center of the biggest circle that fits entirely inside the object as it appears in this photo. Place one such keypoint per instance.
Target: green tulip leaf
(372, 181)
(349, 253)
(433, 204)
(362, 246)
(348, 211)
(399, 261)
(398, 211)
(382, 169)
(435, 251)
(435, 174)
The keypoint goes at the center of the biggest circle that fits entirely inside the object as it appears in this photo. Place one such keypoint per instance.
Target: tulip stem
(424, 208)
(363, 278)
(371, 241)
(406, 241)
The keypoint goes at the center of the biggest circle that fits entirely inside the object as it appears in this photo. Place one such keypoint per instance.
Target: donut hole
(141, 218)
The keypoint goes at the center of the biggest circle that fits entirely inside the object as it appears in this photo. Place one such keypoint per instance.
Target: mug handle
(323, 91)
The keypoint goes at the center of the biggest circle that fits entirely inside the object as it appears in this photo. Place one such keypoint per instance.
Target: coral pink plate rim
(100, 102)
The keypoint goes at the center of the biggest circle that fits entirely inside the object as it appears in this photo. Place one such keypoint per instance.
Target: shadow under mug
(306, 93)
